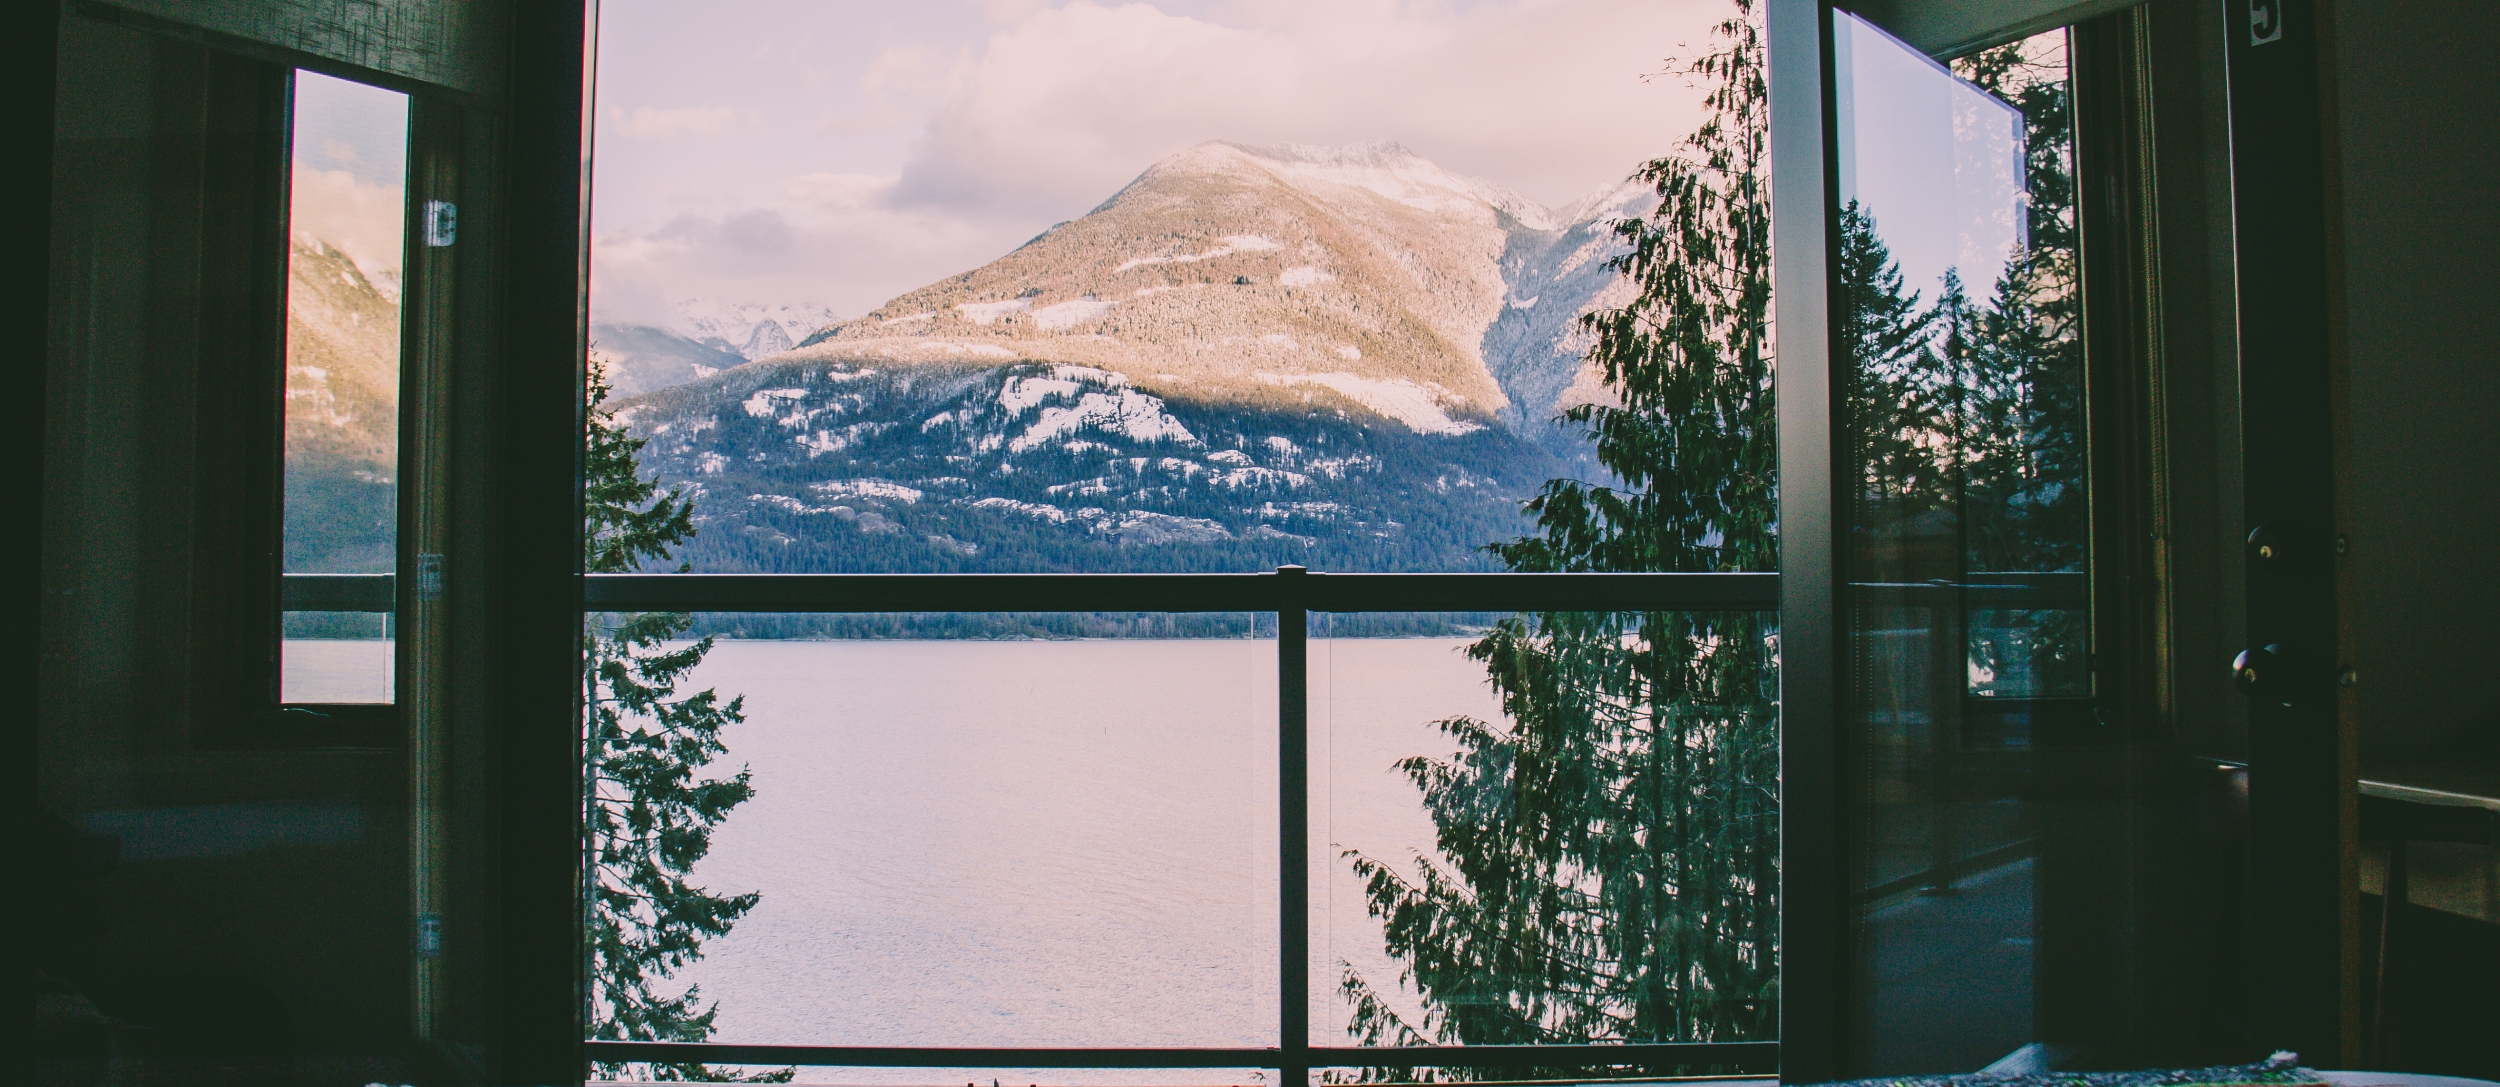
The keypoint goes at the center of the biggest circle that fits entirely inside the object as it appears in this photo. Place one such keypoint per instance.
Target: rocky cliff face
(1535, 346)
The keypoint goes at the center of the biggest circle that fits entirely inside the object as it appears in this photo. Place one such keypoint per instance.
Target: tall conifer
(2021, 432)
(648, 811)
(1606, 865)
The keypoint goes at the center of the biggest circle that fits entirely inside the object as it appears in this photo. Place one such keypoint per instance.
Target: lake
(1053, 843)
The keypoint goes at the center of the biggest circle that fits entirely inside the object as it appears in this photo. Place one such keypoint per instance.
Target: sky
(1935, 161)
(841, 152)
(350, 147)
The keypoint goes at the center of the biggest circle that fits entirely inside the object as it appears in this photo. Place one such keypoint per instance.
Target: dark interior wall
(2414, 92)
(262, 888)
(445, 43)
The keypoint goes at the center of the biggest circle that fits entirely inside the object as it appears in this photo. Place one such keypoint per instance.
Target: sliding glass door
(2017, 865)
(1967, 718)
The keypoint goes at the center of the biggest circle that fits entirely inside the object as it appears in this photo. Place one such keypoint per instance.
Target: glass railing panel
(336, 657)
(1544, 829)
(964, 829)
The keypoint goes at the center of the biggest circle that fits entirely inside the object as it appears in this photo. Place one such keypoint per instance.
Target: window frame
(367, 722)
(238, 591)
(1814, 899)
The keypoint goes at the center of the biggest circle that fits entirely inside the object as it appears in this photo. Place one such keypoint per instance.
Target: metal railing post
(1293, 845)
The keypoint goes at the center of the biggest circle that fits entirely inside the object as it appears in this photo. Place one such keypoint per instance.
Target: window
(346, 218)
(299, 463)
(1131, 658)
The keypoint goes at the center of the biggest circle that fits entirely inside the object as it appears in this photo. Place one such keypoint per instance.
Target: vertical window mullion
(1812, 869)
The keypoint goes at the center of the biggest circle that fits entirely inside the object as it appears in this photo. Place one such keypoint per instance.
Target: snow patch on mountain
(822, 442)
(1041, 511)
(767, 403)
(1124, 411)
(982, 313)
(1233, 243)
(1067, 315)
(1419, 407)
(1023, 394)
(868, 488)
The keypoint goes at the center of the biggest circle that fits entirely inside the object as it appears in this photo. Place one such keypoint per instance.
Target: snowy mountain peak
(1365, 275)
(769, 338)
(748, 330)
(1386, 168)
(1629, 198)
(1376, 153)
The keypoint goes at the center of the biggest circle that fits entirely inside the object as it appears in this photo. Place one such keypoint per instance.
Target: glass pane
(337, 656)
(1550, 829)
(1984, 841)
(964, 830)
(1117, 291)
(346, 216)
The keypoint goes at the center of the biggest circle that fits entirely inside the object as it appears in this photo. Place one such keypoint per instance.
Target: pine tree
(1605, 865)
(1902, 404)
(2021, 433)
(2025, 439)
(648, 812)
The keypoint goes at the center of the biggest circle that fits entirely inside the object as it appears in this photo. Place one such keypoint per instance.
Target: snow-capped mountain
(1535, 347)
(1228, 273)
(1347, 357)
(749, 331)
(641, 358)
(701, 338)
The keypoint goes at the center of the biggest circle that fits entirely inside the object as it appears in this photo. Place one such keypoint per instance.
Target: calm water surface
(1052, 843)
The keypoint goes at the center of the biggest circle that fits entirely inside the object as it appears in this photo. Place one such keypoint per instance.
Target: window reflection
(1967, 601)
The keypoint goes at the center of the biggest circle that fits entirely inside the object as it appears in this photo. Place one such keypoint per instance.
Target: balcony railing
(1292, 594)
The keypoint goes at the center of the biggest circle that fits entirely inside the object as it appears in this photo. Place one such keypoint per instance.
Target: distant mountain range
(1346, 357)
(700, 338)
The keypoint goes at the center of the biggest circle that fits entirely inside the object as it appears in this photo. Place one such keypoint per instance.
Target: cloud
(646, 123)
(832, 239)
(949, 141)
(1064, 105)
(359, 218)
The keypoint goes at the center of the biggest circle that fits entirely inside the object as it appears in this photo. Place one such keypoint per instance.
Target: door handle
(2260, 673)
